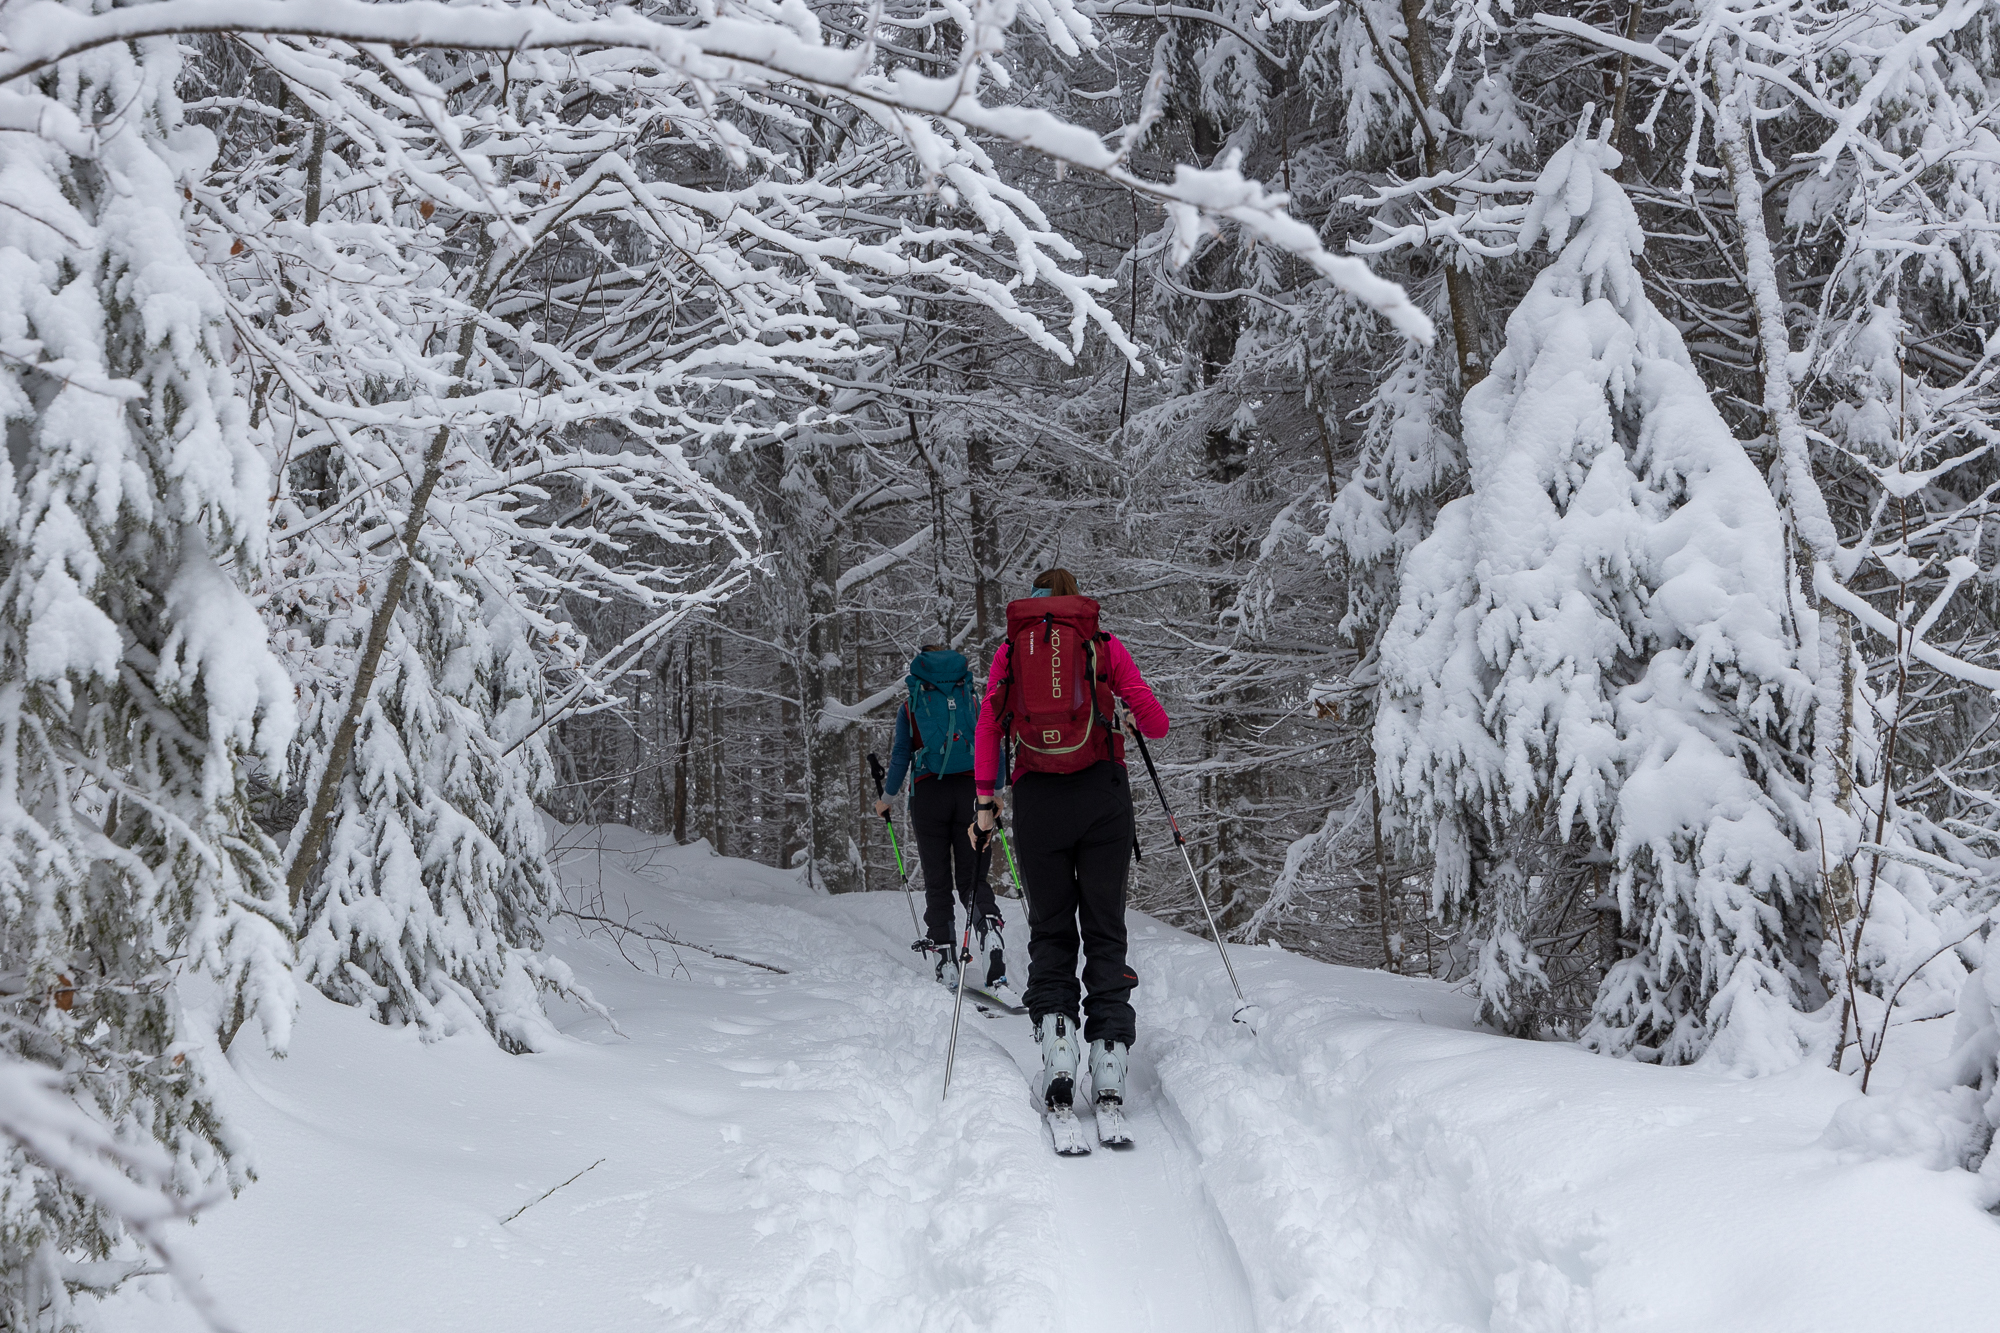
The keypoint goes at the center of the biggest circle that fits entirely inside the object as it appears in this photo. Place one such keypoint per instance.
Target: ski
(1066, 1131)
(997, 999)
(1112, 1130)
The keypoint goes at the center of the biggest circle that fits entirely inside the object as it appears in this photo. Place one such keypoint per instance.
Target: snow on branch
(132, 1180)
(1834, 591)
(727, 51)
(1610, 41)
(1917, 46)
(1140, 9)
(869, 568)
(837, 716)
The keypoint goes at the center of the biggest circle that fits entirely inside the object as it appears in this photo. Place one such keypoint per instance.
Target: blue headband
(1043, 592)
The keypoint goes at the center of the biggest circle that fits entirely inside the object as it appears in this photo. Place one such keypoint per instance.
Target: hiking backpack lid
(942, 712)
(1058, 705)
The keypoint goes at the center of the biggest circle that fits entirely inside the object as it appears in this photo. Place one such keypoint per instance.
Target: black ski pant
(940, 813)
(1073, 838)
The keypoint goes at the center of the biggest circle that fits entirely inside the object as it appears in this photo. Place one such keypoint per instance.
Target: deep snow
(773, 1154)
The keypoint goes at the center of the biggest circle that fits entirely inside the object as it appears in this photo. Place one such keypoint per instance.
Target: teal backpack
(943, 711)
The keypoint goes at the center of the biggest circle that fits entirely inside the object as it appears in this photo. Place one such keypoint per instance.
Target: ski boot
(1107, 1071)
(994, 946)
(1056, 1035)
(1107, 1092)
(948, 980)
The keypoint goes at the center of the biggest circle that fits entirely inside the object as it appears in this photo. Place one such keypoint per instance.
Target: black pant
(940, 813)
(1073, 838)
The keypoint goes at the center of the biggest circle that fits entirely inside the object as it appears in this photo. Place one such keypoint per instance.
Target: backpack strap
(1006, 719)
(1101, 681)
(1007, 696)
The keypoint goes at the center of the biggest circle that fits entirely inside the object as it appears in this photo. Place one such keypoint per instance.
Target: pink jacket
(1126, 684)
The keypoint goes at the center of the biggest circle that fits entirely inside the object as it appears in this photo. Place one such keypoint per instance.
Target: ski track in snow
(775, 1156)
(1120, 1267)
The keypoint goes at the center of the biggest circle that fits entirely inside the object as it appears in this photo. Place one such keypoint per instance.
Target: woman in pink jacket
(1050, 697)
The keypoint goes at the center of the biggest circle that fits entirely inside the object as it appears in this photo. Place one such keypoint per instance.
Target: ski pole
(958, 1006)
(1181, 842)
(875, 768)
(1007, 846)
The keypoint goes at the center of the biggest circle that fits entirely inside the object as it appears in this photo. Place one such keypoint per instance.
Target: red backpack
(1057, 705)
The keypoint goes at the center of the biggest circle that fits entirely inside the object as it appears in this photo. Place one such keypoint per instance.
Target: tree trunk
(683, 740)
(825, 744)
(1417, 90)
(1835, 827)
(1390, 959)
(946, 609)
(312, 833)
(860, 816)
(790, 776)
(985, 542)
(715, 804)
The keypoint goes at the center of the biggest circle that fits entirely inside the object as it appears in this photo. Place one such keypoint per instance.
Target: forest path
(1130, 1236)
(1141, 1244)
(767, 1152)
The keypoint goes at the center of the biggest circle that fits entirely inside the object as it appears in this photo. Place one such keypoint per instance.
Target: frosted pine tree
(1410, 462)
(427, 909)
(1591, 666)
(135, 677)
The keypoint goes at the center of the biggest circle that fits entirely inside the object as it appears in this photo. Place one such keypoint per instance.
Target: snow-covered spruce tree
(1410, 462)
(1592, 655)
(135, 678)
(566, 482)
(428, 908)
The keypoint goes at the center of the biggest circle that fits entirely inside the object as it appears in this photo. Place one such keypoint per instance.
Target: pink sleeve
(986, 737)
(1129, 685)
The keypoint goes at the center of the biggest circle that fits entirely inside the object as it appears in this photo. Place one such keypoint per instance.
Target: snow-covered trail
(768, 1152)
(1120, 1267)
(1131, 1237)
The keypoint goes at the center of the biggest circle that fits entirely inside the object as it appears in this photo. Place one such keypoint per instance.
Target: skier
(1051, 694)
(933, 736)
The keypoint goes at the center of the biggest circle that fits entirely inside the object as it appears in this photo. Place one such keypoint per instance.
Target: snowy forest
(1542, 458)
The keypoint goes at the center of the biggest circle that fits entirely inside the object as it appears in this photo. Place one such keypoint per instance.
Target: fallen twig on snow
(551, 1190)
(657, 935)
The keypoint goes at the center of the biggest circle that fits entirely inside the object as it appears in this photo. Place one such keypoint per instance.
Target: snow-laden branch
(620, 659)
(1610, 41)
(737, 51)
(837, 716)
(869, 568)
(1834, 591)
(1892, 67)
(132, 1180)
(1139, 9)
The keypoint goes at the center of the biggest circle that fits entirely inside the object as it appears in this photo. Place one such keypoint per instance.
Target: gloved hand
(984, 822)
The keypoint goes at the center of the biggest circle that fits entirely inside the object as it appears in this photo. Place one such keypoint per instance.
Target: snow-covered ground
(769, 1152)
